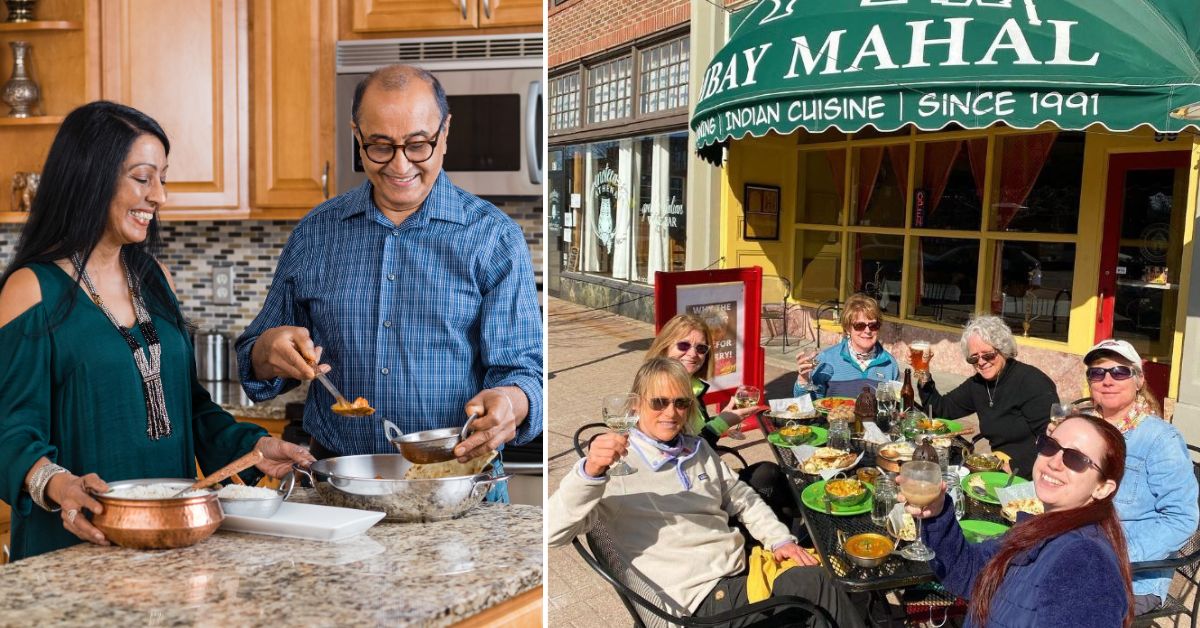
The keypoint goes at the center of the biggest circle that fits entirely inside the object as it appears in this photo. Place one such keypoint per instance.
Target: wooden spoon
(241, 464)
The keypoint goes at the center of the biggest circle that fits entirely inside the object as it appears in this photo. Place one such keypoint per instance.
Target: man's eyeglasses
(660, 403)
(683, 346)
(383, 153)
(873, 326)
(986, 357)
(1074, 459)
(1119, 373)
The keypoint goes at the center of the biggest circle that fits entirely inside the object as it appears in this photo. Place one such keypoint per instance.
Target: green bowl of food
(981, 462)
(845, 491)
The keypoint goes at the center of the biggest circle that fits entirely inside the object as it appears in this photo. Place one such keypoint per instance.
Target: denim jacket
(1157, 499)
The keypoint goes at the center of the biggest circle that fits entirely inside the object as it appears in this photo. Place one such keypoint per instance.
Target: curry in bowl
(845, 491)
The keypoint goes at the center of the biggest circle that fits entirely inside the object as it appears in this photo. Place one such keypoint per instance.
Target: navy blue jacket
(1070, 580)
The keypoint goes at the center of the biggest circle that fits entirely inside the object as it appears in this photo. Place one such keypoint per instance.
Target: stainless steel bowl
(263, 507)
(158, 523)
(375, 482)
(429, 446)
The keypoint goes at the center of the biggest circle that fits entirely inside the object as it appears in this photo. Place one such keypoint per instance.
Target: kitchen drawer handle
(325, 181)
(463, 5)
(487, 9)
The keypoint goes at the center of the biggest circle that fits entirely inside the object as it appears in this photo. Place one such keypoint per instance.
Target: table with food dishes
(304, 565)
(863, 555)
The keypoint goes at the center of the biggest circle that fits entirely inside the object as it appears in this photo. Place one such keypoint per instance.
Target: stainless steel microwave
(494, 87)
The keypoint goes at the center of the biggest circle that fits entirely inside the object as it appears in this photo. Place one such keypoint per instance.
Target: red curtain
(1023, 158)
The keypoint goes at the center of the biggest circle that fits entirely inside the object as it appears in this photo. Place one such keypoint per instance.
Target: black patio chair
(646, 607)
(1186, 563)
(580, 444)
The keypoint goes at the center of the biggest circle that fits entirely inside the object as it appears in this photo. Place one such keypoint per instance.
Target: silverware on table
(1011, 474)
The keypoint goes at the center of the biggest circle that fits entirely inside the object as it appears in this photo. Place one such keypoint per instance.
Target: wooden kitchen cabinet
(292, 62)
(427, 15)
(65, 63)
(183, 63)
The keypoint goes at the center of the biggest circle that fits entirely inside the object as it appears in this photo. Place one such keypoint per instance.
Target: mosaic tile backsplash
(251, 247)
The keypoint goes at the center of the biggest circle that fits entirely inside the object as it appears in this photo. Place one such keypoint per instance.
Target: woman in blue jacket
(858, 360)
(1157, 500)
(1066, 567)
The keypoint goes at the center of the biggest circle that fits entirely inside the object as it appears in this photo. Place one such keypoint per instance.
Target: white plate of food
(306, 521)
(897, 452)
(828, 459)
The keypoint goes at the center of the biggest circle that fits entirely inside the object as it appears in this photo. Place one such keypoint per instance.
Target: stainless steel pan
(374, 482)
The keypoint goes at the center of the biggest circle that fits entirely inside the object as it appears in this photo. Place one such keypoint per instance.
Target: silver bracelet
(38, 482)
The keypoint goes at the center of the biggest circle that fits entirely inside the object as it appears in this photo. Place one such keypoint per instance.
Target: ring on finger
(71, 514)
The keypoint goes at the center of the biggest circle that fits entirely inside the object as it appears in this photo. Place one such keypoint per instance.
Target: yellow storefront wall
(774, 159)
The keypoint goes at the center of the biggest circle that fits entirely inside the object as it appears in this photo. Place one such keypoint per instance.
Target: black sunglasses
(873, 326)
(683, 346)
(986, 357)
(661, 403)
(1119, 373)
(1074, 459)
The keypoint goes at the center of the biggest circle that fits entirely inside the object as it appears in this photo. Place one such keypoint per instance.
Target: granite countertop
(396, 574)
(229, 395)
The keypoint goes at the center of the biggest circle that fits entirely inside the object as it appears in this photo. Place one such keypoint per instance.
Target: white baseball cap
(1112, 345)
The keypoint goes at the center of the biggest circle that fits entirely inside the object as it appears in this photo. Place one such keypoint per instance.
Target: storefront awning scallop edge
(850, 64)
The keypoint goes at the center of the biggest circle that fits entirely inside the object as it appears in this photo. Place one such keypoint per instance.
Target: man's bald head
(396, 78)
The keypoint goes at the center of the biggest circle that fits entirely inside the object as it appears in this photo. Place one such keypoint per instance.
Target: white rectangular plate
(307, 521)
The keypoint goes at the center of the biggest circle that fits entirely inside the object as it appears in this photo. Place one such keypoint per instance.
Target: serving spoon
(241, 464)
(343, 407)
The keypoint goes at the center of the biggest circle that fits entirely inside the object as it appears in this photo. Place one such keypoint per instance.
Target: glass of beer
(922, 485)
(918, 353)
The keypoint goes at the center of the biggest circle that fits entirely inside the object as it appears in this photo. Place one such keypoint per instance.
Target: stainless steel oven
(494, 87)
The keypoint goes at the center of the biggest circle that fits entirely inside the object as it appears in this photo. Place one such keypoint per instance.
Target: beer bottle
(908, 397)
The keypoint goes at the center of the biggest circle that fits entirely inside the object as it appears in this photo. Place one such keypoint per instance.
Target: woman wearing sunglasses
(671, 519)
(858, 360)
(1157, 498)
(688, 339)
(1066, 567)
(1012, 398)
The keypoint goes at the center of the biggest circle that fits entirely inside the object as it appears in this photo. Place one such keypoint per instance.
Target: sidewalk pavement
(593, 353)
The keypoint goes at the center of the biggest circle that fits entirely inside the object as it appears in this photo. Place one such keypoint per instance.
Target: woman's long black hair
(70, 212)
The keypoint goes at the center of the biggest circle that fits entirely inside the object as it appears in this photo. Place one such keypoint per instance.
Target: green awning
(848, 64)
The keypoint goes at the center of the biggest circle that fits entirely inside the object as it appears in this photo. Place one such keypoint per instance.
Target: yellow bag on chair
(763, 571)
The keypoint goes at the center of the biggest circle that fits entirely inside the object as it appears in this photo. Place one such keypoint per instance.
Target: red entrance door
(1141, 257)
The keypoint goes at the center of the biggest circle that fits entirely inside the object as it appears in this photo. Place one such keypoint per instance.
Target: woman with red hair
(1067, 567)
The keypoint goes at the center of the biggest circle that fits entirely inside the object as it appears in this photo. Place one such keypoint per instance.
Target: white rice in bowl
(241, 491)
(153, 491)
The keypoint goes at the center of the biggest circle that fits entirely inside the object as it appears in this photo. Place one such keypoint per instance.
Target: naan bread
(448, 469)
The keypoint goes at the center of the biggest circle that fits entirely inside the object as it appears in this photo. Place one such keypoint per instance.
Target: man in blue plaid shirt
(409, 291)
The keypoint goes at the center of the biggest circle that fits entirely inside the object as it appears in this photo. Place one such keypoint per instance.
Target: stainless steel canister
(212, 356)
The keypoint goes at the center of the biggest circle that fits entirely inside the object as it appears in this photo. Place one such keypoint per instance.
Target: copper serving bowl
(158, 523)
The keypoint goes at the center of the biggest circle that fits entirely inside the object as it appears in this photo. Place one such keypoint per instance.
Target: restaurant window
(819, 265)
(564, 102)
(880, 188)
(1035, 287)
(633, 196)
(945, 273)
(1040, 179)
(610, 91)
(565, 198)
(663, 77)
(879, 268)
(823, 177)
(950, 184)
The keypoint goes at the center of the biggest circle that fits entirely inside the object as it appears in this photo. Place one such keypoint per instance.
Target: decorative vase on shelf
(20, 92)
(20, 10)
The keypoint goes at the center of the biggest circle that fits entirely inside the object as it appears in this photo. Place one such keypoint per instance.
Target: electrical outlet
(222, 285)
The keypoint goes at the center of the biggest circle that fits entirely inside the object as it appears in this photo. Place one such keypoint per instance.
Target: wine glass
(745, 397)
(620, 415)
(1058, 412)
(921, 486)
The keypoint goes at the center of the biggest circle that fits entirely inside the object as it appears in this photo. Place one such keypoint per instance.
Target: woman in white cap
(1157, 498)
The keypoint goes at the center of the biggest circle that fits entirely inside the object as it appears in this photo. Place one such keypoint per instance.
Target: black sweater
(1017, 414)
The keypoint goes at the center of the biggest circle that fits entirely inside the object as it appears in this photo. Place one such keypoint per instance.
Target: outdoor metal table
(896, 572)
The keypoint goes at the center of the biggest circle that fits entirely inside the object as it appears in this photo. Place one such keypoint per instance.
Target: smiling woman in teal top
(96, 366)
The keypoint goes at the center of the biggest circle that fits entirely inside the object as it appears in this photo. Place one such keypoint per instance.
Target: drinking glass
(745, 397)
(918, 353)
(1058, 412)
(839, 434)
(885, 499)
(620, 415)
(922, 485)
(956, 494)
(806, 382)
